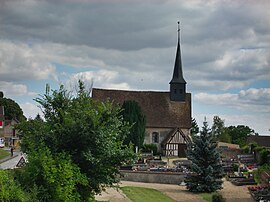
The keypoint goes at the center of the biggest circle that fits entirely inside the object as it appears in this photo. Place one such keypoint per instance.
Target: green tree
(132, 114)
(88, 131)
(194, 127)
(219, 130)
(239, 134)
(12, 109)
(54, 177)
(10, 189)
(206, 166)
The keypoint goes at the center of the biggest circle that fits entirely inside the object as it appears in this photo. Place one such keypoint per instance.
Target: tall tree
(206, 166)
(132, 114)
(12, 109)
(87, 131)
(239, 134)
(219, 130)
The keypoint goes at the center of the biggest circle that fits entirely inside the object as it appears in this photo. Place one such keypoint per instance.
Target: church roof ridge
(135, 91)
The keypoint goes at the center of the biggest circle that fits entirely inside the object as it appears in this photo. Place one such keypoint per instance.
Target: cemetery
(153, 169)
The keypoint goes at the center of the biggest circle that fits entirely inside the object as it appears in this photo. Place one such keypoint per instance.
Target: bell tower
(178, 83)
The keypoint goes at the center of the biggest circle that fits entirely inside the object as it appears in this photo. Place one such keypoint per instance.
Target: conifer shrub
(206, 168)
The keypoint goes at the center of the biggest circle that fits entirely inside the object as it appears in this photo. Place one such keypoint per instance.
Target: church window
(155, 137)
(175, 91)
(181, 91)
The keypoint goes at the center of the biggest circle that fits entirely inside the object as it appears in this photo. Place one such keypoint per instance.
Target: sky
(131, 45)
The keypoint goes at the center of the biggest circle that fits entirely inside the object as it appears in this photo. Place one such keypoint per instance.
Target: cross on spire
(178, 31)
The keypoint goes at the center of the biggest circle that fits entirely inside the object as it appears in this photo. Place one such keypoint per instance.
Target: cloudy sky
(131, 45)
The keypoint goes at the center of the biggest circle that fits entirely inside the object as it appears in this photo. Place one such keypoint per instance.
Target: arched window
(155, 137)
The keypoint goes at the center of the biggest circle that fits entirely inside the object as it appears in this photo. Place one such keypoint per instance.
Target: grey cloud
(138, 39)
(251, 99)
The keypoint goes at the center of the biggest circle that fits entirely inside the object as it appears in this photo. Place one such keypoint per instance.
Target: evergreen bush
(206, 169)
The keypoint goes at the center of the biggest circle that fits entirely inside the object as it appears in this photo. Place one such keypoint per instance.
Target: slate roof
(260, 140)
(159, 110)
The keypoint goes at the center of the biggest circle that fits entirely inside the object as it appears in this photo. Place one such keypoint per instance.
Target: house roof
(159, 110)
(260, 140)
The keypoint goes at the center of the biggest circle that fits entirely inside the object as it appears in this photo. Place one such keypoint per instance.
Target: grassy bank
(3, 154)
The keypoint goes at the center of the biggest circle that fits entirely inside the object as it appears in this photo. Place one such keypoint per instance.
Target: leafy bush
(246, 149)
(264, 156)
(217, 197)
(150, 148)
(257, 173)
(235, 166)
(9, 189)
(51, 177)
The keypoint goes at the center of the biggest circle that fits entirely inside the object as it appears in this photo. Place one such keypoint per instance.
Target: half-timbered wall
(163, 134)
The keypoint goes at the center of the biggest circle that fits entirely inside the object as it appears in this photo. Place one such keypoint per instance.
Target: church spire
(178, 83)
(178, 72)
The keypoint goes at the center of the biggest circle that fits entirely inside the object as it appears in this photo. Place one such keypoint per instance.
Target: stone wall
(153, 177)
(230, 153)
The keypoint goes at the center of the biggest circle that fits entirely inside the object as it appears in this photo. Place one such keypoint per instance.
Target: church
(168, 114)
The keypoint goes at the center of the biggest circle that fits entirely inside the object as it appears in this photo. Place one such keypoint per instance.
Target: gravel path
(231, 192)
(234, 193)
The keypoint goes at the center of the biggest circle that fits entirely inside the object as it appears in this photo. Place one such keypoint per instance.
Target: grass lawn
(3, 154)
(139, 194)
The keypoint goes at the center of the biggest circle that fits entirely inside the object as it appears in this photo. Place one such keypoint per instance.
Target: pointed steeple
(178, 72)
(178, 83)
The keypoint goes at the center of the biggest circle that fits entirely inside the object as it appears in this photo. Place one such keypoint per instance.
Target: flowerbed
(260, 193)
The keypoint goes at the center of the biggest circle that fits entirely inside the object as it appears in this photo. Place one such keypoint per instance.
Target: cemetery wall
(153, 177)
(230, 153)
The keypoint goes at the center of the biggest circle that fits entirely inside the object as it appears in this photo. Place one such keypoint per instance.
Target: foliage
(264, 156)
(12, 109)
(262, 168)
(149, 148)
(9, 190)
(132, 114)
(239, 134)
(235, 166)
(138, 194)
(54, 177)
(263, 153)
(87, 131)
(217, 197)
(206, 166)
(246, 149)
(219, 130)
(194, 127)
